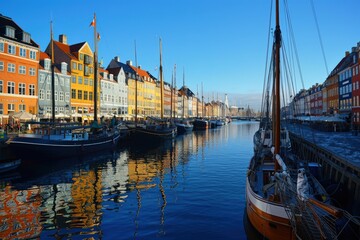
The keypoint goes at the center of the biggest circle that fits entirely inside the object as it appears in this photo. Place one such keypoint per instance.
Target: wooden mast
(52, 76)
(161, 83)
(136, 87)
(95, 71)
(276, 117)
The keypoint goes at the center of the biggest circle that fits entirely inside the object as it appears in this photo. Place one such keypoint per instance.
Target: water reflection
(130, 191)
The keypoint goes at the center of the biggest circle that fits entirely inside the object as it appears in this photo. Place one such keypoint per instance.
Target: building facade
(19, 58)
(62, 89)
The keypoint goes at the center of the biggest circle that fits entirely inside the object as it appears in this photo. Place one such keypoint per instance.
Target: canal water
(190, 188)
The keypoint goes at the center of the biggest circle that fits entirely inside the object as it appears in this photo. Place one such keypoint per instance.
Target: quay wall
(341, 175)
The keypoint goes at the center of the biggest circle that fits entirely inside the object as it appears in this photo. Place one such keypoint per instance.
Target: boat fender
(302, 185)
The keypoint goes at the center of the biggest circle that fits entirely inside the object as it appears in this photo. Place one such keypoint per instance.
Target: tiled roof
(65, 48)
(6, 21)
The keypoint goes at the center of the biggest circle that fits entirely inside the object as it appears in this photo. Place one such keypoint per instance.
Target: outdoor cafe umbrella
(22, 116)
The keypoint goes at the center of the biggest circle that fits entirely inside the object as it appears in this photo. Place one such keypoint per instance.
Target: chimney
(117, 58)
(129, 62)
(353, 49)
(347, 53)
(63, 38)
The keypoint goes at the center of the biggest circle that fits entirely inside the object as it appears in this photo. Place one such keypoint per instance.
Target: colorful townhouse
(62, 89)
(80, 61)
(331, 102)
(135, 85)
(315, 93)
(345, 84)
(356, 91)
(113, 94)
(19, 58)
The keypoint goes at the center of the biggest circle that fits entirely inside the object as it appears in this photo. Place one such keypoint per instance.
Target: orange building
(19, 59)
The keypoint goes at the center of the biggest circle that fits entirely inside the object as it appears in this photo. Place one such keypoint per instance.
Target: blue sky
(219, 43)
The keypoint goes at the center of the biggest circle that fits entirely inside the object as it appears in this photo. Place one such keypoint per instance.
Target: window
(32, 71)
(42, 78)
(11, 49)
(61, 96)
(11, 87)
(86, 81)
(1, 86)
(73, 93)
(22, 52)
(80, 80)
(47, 64)
(22, 88)
(1, 108)
(11, 67)
(62, 81)
(11, 107)
(91, 82)
(22, 70)
(56, 95)
(32, 54)
(1, 47)
(48, 94)
(85, 95)
(73, 79)
(1, 66)
(80, 66)
(26, 37)
(67, 82)
(67, 97)
(22, 107)
(90, 96)
(10, 31)
(41, 94)
(79, 94)
(32, 90)
(74, 65)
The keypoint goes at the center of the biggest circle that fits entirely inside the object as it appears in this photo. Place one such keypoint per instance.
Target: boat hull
(6, 166)
(182, 129)
(268, 218)
(144, 134)
(26, 147)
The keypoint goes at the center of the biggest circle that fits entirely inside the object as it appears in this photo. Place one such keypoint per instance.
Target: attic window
(10, 31)
(26, 37)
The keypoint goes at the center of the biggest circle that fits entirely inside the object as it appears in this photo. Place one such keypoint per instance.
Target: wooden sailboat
(283, 201)
(184, 125)
(57, 140)
(154, 129)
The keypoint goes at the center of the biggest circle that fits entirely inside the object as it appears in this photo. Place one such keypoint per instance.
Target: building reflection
(70, 202)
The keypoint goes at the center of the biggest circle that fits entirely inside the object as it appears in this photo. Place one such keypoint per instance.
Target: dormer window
(26, 37)
(47, 64)
(10, 32)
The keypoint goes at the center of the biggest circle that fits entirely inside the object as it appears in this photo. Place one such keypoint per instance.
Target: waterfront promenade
(342, 144)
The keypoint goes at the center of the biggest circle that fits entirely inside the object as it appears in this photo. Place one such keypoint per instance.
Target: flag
(98, 36)
(92, 23)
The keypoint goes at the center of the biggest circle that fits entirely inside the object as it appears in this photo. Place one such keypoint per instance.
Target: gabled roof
(44, 55)
(6, 21)
(65, 48)
(185, 90)
(115, 66)
(142, 73)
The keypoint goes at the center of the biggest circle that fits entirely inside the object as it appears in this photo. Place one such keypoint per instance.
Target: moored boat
(283, 199)
(184, 126)
(56, 139)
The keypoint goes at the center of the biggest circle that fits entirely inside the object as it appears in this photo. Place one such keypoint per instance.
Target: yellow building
(146, 92)
(79, 58)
